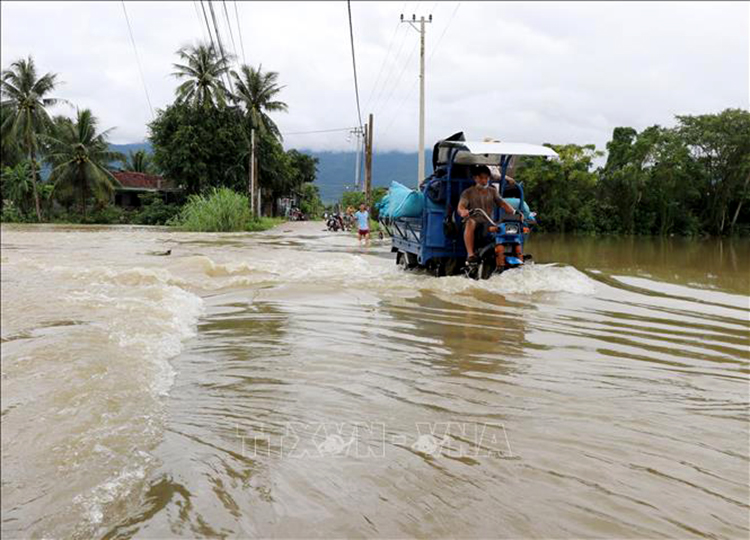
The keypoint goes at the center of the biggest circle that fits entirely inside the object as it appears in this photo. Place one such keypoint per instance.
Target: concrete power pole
(368, 161)
(258, 191)
(422, 21)
(251, 186)
(357, 132)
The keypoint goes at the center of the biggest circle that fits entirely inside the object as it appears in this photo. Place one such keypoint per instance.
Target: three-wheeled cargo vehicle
(434, 240)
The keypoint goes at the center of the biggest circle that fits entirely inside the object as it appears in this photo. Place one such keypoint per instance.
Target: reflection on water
(291, 384)
(713, 263)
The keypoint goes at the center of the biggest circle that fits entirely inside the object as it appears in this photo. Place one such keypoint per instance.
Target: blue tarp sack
(382, 206)
(514, 202)
(403, 202)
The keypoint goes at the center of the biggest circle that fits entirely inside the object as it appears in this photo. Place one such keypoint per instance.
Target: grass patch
(264, 223)
(222, 210)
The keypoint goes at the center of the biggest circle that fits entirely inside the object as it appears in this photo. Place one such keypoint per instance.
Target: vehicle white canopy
(489, 152)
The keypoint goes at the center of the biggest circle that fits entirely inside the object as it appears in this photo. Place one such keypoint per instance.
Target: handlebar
(475, 211)
(479, 211)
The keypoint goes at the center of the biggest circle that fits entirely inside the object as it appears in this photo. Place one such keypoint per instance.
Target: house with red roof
(132, 185)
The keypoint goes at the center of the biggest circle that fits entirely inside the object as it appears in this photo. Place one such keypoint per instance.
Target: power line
(398, 79)
(391, 71)
(354, 63)
(376, 104)
(208, 26)
(444, 31)
(200, 22)
(411, 90)
(229, 25)
(385, 59)
(396, 111)
(221, 47)
(318, 131)
(239, 31)
(137, 59)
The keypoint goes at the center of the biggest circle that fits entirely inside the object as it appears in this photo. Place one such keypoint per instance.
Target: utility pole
(422, 21)
(258, 191)
(357, 132)
(368, 160)
(251, 186)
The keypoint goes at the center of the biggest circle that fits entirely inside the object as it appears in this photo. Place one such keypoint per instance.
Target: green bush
(154, 211)
(355, 198)
(11, 213)
(310, 203)
(107, 215)
(223, 210)
(263, 223)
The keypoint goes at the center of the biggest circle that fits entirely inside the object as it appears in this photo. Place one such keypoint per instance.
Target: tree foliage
(256, 91)
(139, 161)
(80, 157)
(690, 179)
(17, 187)
(310, 203)
(202, 67)
(203, 140)
(200, 148)
(25, 99)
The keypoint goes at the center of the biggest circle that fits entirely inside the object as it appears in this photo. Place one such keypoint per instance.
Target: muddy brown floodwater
(291, 384)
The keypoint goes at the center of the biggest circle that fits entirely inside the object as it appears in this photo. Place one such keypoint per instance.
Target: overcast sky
(560, 72)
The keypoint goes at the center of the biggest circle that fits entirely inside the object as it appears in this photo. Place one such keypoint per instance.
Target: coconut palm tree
(255, 91)
(202, 68)
(25, 117)
(16, 185)
(138, 161)
(80, 157)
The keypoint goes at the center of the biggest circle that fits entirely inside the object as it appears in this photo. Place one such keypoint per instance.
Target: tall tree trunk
(83, 199)
(736, 215)
(37, 206)
(739, 204)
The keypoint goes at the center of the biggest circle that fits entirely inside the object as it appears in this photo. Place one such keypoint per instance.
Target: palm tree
(16, 185)
(138, 161)
(80, 157)
(256, 91)
(202, 68)
(25, 115)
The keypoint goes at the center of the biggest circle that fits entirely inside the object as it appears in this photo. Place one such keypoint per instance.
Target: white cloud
(535, 72)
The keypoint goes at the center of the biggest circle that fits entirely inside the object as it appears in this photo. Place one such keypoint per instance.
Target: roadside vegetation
(354, 198)
(59, 168)
(692, 179)
(221, 210)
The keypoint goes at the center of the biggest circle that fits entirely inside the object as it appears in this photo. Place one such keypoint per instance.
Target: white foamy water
(86, 363)
(133, 386)
(361, 270)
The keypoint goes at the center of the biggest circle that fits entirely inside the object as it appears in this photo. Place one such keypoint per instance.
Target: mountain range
(336, 170)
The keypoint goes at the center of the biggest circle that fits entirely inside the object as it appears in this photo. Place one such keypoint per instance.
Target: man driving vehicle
(480, 196)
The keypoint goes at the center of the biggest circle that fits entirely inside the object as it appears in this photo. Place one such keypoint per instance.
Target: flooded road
(291, 384)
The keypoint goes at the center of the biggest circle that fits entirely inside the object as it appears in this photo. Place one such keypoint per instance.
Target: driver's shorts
(481, 231)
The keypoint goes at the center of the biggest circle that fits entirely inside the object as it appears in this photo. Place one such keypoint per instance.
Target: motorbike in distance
(334, 222)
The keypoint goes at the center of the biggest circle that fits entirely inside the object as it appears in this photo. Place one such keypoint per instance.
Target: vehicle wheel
(401, 260)
(452, 266)
(437, 268)
(486, 269)
(405, 260)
